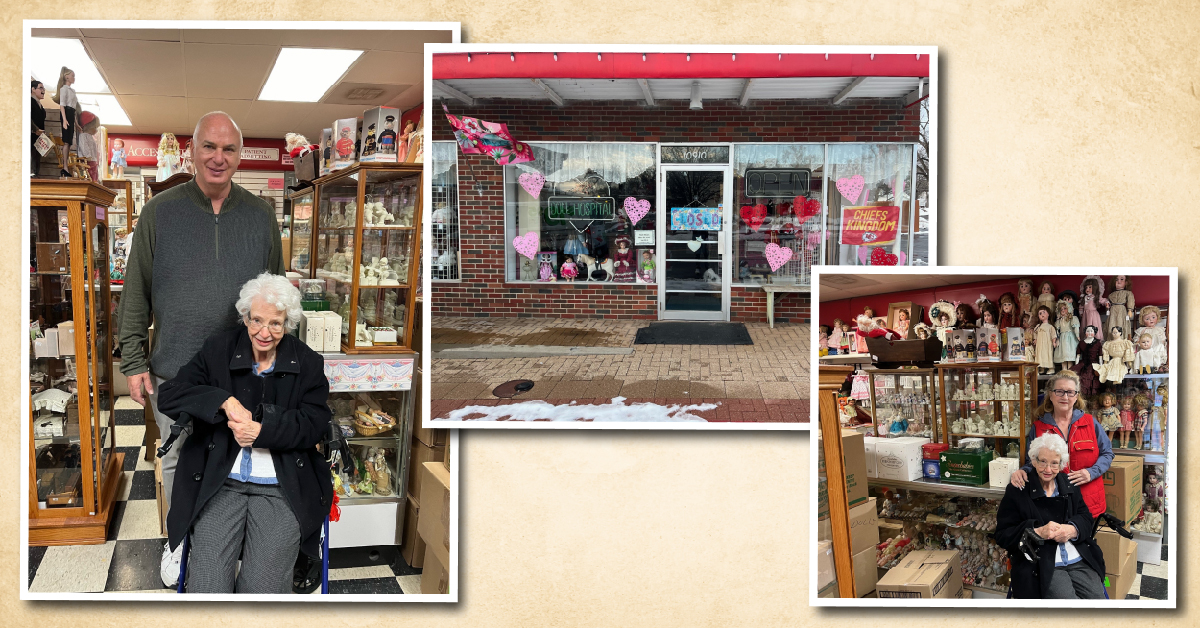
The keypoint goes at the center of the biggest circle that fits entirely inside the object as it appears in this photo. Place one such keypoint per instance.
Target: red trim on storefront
(142, 150)
(627, 65)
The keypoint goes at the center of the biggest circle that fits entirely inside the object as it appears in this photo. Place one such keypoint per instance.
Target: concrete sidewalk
(591, 361)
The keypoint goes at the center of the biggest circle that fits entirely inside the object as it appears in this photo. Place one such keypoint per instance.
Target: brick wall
(483, 292)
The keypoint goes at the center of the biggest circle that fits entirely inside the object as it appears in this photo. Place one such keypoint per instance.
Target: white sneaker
(168, 568)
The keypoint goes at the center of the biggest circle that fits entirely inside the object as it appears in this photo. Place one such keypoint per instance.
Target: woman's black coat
(291, 402)
(1020, 510)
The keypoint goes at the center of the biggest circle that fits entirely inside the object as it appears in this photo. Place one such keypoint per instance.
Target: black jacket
(292, 404)
(1028, 507)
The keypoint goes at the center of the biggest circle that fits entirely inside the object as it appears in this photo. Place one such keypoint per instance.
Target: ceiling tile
(139, 67)
(164, 113)
(237, 109)
(274, 119)
(340, 94)
(395, 68)
(207, 70)
(410, 98)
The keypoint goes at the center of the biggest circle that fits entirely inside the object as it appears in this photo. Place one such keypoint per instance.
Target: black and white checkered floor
(128, 561)
(1151, 581)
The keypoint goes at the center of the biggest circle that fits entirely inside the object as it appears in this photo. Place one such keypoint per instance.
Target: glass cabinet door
(302, 223)
(904, 404)
(99, 348)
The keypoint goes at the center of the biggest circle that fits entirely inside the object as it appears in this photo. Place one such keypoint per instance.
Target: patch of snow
(615, 411)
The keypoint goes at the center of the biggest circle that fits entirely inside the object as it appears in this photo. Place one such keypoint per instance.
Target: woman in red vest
(1090, 450)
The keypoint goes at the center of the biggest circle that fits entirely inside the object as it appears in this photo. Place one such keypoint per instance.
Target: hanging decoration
(694, 245)
(532, 182)
(880, 257)
(636, 208)
(754, 215)
(777, 256)
(851, 187)
(806, 208)
(527, 244)
(479, 137)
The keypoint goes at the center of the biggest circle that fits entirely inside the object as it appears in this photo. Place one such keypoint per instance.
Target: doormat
(674, 333)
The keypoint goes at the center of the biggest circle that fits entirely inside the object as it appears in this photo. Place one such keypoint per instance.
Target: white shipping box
(333, 332)
(869, 449)
(1000, 469)
(312, 330)
(900, 458)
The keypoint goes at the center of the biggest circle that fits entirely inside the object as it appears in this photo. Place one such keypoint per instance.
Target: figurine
(646, 267)
(368, 147)
(384, 276)
(118, 161)
(389, 307)
(823, 341)
(1153, 489)
(942, 315)
(377, 467)
(361, 337)
(623, 271)
(344, 145)
(186, 164)
(1142, 404)
(1118, 357)
(835, 336)
(1091, 300)
(965, 315)
(844, 348)
(1126, 420)
(1110, 416)
(168, 157)
(387, 137)
(1067, 325)
(1120, 303)
(1025, 302)
(1046, 340)
(1009, 317)
(1148, 358)
(1046, 295)
(922, 331)
(568, 271)
(545, 268)
(400, 264)
(1089, 354)
(1148, 318)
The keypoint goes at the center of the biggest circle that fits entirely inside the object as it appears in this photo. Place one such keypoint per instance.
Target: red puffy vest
(1084, 450)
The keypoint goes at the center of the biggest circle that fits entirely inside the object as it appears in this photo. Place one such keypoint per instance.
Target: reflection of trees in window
(695, 189)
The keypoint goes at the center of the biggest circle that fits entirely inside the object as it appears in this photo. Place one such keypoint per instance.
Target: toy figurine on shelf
(1118, 357)
(1120, 303)
(1091, 301)
(168, 157)
(1009, 316)
(823, 341)
(1089, 354)
(568, 271)
(1110, 416)
(845, 343)
(1025, 302)
(835, 336)
(118, 162)
(1067, 325)
(1147, 358)
(546, 267)
(646, 267)
(1127, 419)
(1148, 318)
(1046, 296)
(942, 315)
(1141, 404)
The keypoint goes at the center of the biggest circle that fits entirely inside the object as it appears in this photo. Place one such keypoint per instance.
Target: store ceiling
(166, 79)
(849, 285)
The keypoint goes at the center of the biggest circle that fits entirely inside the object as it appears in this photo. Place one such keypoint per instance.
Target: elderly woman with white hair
(1048, 531)
(250, 481)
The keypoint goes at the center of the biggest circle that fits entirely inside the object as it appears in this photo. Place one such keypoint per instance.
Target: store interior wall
(1147, 290)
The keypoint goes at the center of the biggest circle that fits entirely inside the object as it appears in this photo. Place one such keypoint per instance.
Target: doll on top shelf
(1092, 304)
(1067, 325)
(1046, 340)
(1120, 303)
(1025, 302)
(1009, 314)
(1046, 296)
(965, 315)
(1149, 318)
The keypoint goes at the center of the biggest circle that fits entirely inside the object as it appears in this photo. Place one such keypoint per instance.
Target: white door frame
(724, 242)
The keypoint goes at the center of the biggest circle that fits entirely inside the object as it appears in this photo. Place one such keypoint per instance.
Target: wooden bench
(778, 292)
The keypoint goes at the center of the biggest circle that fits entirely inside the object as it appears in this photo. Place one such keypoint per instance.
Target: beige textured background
(1071, 128)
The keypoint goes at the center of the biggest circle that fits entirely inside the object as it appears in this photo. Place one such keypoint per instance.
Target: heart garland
(806, 208)
(880, 256)
(527, 244)
(636, 209)
(851, 187)
(753, 215)
(532, 182)
(777, 256)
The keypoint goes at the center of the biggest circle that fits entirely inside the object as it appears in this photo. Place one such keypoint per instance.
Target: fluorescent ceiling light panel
(305, 74)
(47, 56)
(106, 107)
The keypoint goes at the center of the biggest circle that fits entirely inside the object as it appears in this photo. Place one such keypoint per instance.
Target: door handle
(721, 243)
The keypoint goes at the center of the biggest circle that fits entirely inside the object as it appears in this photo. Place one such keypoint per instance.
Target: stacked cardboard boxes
(1123, 488)
(924, 574)
(433, 525)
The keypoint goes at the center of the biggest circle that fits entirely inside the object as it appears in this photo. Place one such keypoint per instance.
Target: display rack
(905, 394)
(444, 248)
(370, 265)
(963, 389)
(74, 467)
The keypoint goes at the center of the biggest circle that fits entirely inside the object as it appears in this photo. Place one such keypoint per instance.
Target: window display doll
(1087, 356)
(1025, 302)
(1110, 416)
(1149, 318)
(902, 323)
(168, 157)
(568, 271)
(646, 267)
(1046, 340)
(1091, 302)
(575, 245)
(1046, 295)
(1127, 419)
(1067, 325)
(623, 262)
(965, 315)
(1120, 303)
(118, 162)
(1118, 357)
(546, 267)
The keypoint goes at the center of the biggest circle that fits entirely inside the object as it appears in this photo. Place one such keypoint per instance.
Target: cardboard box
(931, 469)
(1115, 548)
(1000, 470)
(960, 467)
(900, 458)
(47, 345)
(1014, 345)
(419, 454)
(871, 456)
(866, 572)
(343, 153)
(412, 548)
(1118, 585)
(864, 526)
(52, 257)
(66, 338)
(924, 574)
(380, 135)
(825, 570)
(307, 166)
(855, 460)
(435, 578)
(431, 437)
(333, 332)
(1123, 488)
(312, 330)
(433, 523)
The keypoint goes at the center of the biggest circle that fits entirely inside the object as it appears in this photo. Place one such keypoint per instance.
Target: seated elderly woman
(250, 481)
(1050, 515)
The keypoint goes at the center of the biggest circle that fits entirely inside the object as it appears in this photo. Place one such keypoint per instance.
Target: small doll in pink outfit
(569, 271)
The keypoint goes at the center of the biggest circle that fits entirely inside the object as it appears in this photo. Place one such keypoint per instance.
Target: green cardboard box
(962, 467)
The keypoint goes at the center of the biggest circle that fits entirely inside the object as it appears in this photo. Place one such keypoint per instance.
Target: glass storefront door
(693, 232)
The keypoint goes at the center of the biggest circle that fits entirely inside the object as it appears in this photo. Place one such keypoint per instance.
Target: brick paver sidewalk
(764, 382)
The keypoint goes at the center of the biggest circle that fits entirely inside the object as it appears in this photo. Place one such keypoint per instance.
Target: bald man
(194, 246)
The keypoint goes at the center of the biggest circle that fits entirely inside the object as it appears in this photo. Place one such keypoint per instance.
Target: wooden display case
(963, 389)
(300, 259)
(908, 395)
(74, 467)
(370, 265)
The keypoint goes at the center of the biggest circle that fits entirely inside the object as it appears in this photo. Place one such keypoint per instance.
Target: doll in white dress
(1148, 319)
(1148, 356)
(168, 157)
(1117, 358)
(1046, 340)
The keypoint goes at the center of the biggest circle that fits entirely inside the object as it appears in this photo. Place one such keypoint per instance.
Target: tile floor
(128, 561)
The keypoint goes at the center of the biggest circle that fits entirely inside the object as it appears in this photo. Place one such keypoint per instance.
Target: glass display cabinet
(302, 229)
(74, 467)
(904, 402)
(990, 400)
(367, 242)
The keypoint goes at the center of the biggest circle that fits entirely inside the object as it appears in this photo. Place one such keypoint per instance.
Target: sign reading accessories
(581, 208)
(776, 182)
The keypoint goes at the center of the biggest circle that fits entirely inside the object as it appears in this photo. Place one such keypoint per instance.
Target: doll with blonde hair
(1148, 319)
(168, 157)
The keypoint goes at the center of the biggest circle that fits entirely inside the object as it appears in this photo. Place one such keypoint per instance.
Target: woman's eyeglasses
(1042, 464)
(1062, 394)
(255, 324)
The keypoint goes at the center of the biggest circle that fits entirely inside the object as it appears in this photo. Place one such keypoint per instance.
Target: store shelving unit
(909, 394)
(74, 467)
(971, 378)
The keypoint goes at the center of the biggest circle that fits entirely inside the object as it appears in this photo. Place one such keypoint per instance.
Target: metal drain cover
(511, 389)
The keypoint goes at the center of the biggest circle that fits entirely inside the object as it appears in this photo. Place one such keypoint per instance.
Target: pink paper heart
(863, 252)
(777, 256)
(636, 208)
(533, 182)
(527, 244)
(851, 187)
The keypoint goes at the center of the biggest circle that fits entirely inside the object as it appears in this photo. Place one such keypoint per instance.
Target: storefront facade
(683, 202)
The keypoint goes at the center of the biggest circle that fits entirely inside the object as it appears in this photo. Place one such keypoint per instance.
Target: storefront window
(574, 198)
(862, 177)
(444, 245)
(768, 180)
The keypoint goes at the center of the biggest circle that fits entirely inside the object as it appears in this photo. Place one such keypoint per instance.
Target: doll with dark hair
(1091, 304)
(1089, 353)
(1009, 314)
(965, 315)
